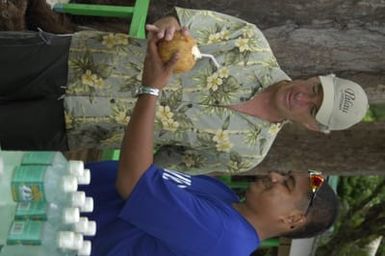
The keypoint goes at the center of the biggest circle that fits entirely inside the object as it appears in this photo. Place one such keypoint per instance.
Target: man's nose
(305, 98)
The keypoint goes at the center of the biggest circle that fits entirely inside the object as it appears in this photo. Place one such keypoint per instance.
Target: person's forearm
(137, 147)
(136, 152)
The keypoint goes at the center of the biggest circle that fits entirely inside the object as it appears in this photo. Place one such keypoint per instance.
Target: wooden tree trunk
(357, 151)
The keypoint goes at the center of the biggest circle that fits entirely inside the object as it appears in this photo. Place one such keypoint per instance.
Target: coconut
(187, 47)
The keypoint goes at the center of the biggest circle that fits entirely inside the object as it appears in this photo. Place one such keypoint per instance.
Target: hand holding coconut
(156, 73)
(175, 39)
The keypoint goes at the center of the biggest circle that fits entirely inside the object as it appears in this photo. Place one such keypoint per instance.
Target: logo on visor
(347, 100)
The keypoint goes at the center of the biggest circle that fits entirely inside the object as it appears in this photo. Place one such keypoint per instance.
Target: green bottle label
(38, 158)
(31, 211)
(28, 183)
(25, 232)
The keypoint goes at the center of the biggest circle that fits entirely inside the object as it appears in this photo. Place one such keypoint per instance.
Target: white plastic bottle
(41, 183)
(85, 178)
(88, 206)
(11, 158)
(54, 158)
(51, 212)
(84, 251)
(6, 218)
(6, 171)
(74, 199)
(85, 227)
(7, 205)
(41, 238)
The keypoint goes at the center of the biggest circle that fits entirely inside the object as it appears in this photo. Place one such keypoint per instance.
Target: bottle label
(28, 183)
(25, 232)
(31, 211)
(38, 158)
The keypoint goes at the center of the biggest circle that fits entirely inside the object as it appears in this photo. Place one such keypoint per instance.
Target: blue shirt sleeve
(163, 205)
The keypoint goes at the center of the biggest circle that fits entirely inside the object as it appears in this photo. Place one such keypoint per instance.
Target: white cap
(70, 183)
(91, 228)
(76, 167)
(344, 103)
(71, 215)
(78, 242)
(85, 179)
(65, 239)
(82, 225)
(88, 206)
(78, 198)
(86, 249)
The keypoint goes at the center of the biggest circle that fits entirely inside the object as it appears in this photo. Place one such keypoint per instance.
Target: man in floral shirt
(208, 120)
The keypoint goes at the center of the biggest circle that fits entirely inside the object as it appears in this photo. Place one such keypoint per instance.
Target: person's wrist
(147, 90)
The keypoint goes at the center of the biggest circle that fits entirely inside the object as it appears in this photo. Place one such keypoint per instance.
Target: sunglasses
(316, 181)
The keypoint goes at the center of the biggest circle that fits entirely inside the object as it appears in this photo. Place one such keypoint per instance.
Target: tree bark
(357, 151)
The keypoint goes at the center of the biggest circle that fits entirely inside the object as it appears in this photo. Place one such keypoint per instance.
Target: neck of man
(263, 226)
(262, 105)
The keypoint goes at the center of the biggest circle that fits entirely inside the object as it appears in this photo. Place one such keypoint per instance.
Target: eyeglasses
(316, 181)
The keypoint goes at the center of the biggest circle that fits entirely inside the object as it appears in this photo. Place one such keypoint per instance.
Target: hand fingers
(185, 31)
(169, 33)
(152, 47)
(152, 28)
(169, 66)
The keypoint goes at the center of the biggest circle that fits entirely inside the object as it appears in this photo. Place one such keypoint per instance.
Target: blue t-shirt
(168, 213)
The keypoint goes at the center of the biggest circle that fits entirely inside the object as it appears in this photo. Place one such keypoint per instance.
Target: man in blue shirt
(142, 209)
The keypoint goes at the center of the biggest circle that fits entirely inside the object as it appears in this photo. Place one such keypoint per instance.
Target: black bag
(33, 75)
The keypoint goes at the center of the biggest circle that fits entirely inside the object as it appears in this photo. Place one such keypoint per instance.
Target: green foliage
(375, 113)
(362, 217)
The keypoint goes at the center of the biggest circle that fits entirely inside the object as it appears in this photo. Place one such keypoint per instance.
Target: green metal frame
(137, 13)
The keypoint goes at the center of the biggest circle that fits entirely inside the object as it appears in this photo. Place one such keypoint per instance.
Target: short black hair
(321, 216)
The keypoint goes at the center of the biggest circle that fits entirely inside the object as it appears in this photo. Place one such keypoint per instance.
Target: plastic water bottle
(88, 206)
(50, 212)
(55, 159)
(6, 217)
(74, 199)
(44, 158)
(41, 183)
(5, 184)
(84, 251)
(84, 227)
(11, 158)
(45, 238)
(85, 178)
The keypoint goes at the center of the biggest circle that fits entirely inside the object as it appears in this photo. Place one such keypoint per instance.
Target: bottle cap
(86, 249)
(78, 242)
(85, 179)
(65, 239)
(82, 225)
(71, 215)
(88, 206)
(78, 198)
(70, 183)
(91, 228)
(76, 167)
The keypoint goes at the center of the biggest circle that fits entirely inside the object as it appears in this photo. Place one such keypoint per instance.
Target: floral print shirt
(195, 131)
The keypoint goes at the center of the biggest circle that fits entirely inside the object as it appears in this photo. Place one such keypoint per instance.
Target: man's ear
(294, 219)
(312, 126)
